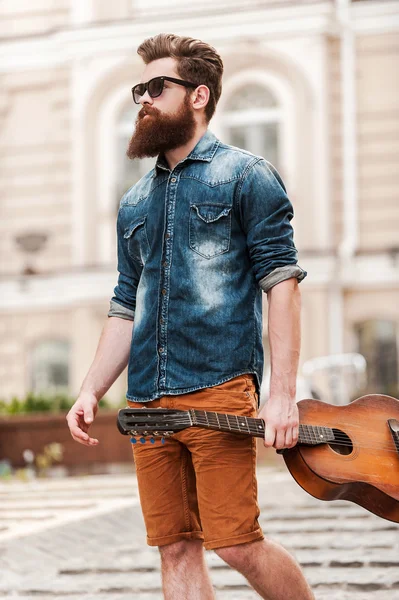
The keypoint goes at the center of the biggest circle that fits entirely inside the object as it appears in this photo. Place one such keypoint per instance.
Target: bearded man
(200, 237)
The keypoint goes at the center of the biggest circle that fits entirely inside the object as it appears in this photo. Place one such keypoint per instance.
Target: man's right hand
(81, 416)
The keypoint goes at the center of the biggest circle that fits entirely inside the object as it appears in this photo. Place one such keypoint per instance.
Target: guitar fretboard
(308, 434)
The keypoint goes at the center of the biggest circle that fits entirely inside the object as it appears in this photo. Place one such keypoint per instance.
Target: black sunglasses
(154, 87)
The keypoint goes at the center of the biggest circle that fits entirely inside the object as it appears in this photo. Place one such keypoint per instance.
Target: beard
(160, 132)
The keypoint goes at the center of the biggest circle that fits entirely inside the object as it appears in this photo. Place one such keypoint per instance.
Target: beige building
(310, 85)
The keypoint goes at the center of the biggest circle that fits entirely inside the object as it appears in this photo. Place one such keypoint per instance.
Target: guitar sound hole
(342, 444)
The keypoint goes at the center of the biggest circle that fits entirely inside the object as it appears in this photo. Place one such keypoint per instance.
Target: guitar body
(366, 469)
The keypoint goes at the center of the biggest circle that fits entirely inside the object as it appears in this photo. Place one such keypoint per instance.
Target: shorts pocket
(138, 246)
(210, 229)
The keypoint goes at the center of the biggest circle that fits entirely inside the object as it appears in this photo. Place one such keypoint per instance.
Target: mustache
(147, 111)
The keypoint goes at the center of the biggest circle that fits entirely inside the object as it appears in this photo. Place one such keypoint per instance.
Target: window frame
(32, 367)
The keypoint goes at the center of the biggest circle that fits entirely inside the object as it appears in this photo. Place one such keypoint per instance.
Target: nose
(146, 98)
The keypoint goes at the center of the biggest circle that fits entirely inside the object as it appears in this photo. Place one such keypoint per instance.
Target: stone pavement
(84, 537)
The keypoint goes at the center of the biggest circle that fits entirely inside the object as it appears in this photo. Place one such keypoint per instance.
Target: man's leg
(184, 571)
(269, 568)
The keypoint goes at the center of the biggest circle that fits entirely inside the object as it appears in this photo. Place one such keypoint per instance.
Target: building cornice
(87, 286)
(75, 43)
(249, 24)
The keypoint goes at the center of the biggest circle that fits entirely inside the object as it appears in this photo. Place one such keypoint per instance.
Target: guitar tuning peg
(152, 440)
(162, 440)
(133, 440)
(142, 440)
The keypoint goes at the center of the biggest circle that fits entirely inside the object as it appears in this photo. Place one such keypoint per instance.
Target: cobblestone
(85, 538)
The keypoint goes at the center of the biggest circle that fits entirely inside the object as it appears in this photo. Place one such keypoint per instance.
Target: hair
(197, 62)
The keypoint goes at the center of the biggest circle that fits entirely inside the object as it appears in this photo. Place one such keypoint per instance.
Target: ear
(201, 97)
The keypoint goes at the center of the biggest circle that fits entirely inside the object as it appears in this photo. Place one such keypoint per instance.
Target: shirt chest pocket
(137, 241)
(210, 229)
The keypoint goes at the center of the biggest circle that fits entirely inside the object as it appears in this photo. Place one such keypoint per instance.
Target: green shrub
(39, 403)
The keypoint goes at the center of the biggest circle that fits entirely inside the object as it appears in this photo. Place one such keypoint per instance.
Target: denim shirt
(196, 246)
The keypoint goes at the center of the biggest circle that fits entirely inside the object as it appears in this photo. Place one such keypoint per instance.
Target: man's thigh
(167, 489)
(201, 484)
(225, 467)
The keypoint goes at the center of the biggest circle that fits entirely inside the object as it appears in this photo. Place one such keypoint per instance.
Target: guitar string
(342, 423)
(315, 440)
(254, 420)
(206, 415)
(304, 437)
(223, 415)
(252, 425)
(210, 413)
(310, 436)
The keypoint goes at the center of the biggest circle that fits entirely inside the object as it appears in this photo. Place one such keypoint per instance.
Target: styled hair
(197, 62)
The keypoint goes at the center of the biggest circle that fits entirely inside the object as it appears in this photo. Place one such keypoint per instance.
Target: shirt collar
(204, 150)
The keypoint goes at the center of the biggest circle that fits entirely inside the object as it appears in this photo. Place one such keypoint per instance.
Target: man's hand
(81, 416)
(280, 414)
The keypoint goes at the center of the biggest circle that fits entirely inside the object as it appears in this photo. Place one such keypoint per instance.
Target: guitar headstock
(152, 422)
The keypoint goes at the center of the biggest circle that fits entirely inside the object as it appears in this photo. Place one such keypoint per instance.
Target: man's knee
(178, 550)
(240, 556)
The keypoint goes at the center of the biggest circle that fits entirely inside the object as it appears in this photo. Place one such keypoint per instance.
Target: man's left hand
(281, 417)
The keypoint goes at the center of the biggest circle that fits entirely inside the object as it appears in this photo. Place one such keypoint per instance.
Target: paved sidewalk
(84, 537)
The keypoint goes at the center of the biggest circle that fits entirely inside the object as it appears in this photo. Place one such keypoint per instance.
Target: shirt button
(165, 263)
(173, 179)
(162, 321)
(161, 350)
(167, 236)
(164, 291)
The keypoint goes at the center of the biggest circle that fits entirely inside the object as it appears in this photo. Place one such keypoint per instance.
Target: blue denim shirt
(196, 247)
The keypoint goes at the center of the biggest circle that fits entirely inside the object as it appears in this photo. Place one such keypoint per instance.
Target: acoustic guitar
(346, 452)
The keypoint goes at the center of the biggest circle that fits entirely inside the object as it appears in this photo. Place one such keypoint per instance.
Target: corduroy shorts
(201, 484)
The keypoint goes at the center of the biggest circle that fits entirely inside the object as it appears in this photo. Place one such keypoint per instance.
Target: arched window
(128, 171)
(378, 342)
(50, 366)
(251, 119)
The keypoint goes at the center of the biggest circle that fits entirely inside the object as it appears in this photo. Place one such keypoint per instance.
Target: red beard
(160, 132)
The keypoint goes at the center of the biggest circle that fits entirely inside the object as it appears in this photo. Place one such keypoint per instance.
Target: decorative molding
(105, 39)
(85, 287)
(74, 289)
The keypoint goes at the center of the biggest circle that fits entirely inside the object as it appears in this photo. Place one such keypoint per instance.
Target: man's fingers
(295, 434)
(83, 438)
(77, 429)
(270, 435)
(88, 416)
(280, 439)
(288, 438)
(88, 442)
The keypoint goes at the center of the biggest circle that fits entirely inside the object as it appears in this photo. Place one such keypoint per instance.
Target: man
(199, 237)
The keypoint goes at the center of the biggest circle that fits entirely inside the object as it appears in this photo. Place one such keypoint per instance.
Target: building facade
(312, 86)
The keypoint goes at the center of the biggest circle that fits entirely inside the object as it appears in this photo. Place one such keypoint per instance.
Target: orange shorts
(201, 484)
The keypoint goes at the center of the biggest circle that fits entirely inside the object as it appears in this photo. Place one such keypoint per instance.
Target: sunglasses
(154, 87)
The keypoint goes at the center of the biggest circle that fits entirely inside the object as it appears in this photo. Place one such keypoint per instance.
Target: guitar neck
(310, 435)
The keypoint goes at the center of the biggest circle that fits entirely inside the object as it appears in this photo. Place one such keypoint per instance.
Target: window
(50, 367)
(128, 171)
(378, 343)
(251, 121)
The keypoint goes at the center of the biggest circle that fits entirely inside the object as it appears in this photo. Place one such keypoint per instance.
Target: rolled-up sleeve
(123, 303)
(266, 213)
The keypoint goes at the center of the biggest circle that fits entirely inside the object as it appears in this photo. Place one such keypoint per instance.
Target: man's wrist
(87, 391)
(282, 393)
(284, 389)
